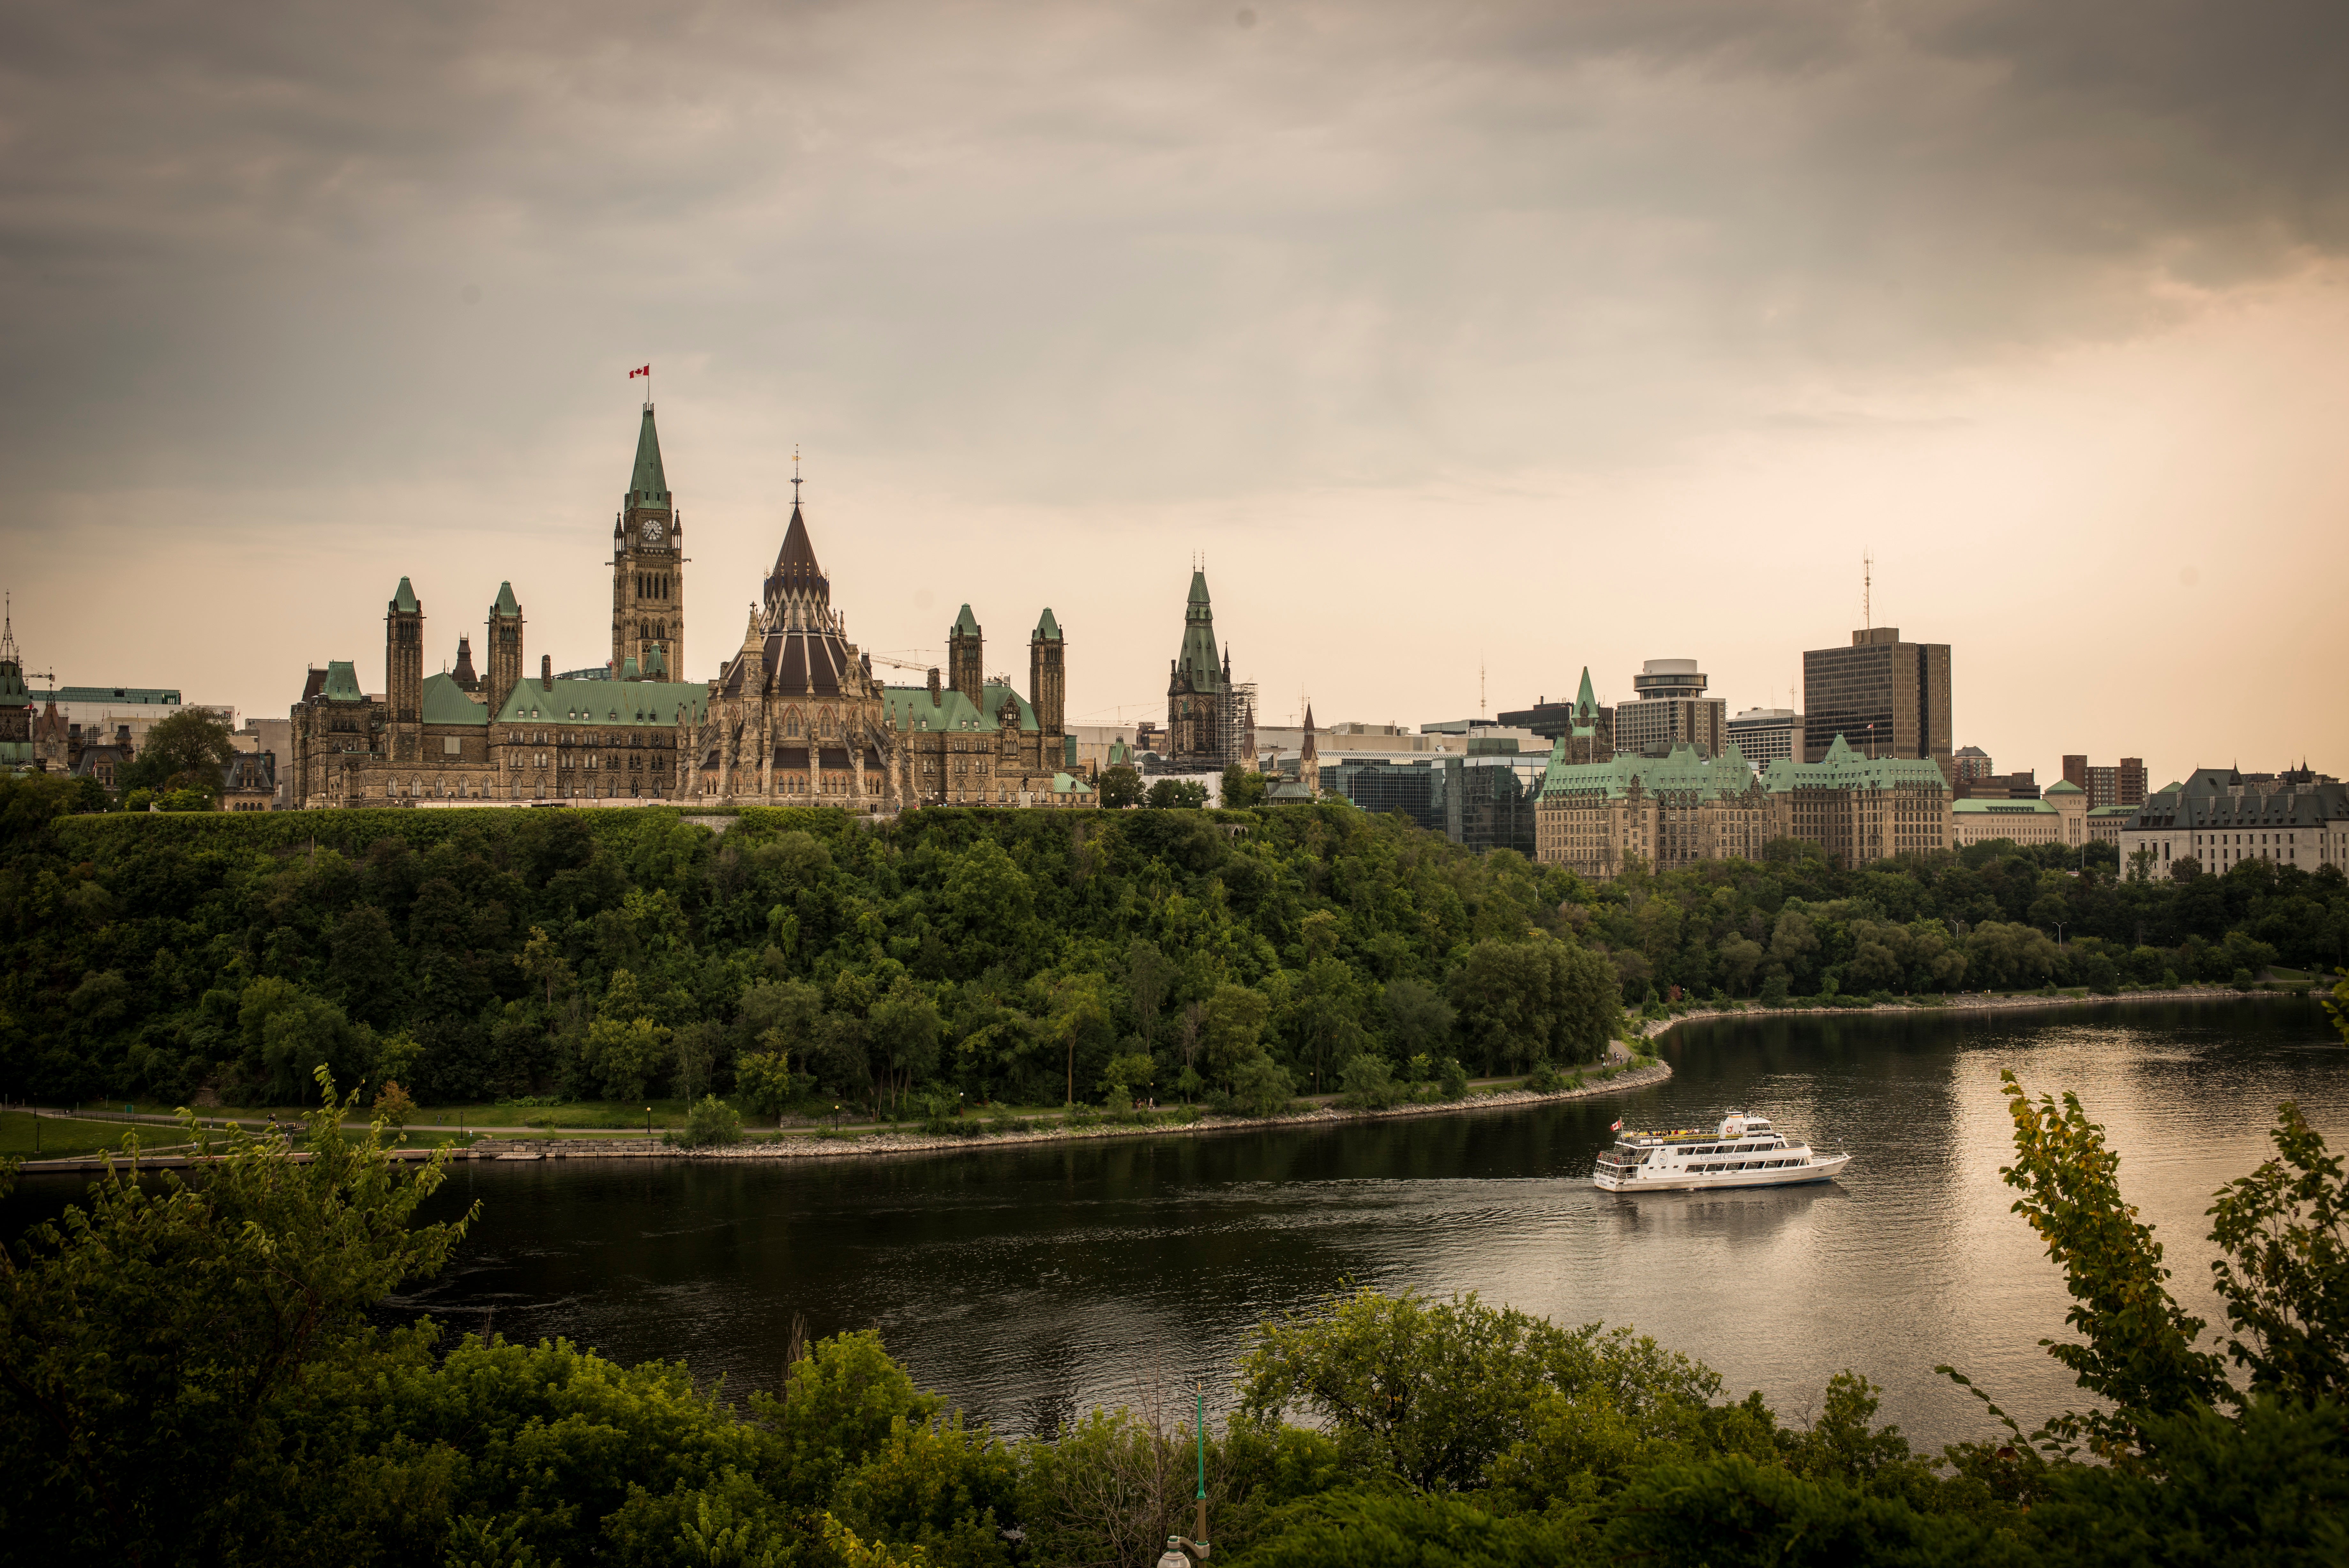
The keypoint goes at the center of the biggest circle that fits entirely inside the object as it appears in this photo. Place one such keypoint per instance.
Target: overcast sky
(1471, 345)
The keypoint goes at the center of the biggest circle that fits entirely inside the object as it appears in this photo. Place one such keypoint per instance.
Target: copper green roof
(647, 485)
(2112, 811)
(505, 605)
(1681, 772)
(160, 696)
(446, 703)
(909, 707)
(656, 663)
(1843, 768)
(1064, 785)
(2002, 808)
(657, 702)
(2064, 786)
(629, 671)
(404, 601)
(965, 624)
(1047, 628)
(1198, 662)
(342, 682)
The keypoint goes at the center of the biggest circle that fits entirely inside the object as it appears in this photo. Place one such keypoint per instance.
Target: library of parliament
(794, 717)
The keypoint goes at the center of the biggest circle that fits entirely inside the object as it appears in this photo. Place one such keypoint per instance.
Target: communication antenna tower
(1867, 590)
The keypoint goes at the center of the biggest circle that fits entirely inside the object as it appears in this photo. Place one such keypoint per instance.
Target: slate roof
(796, 571)
(2217, 798)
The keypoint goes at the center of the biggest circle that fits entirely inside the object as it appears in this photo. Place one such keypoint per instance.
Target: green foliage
(1368, 1084)
(710, 1122)
(168, 1348)
(181, 755)
(1119, 787)
(2283, 1276)
(1176, 795)
(2140, 1352)
(1432, 1394)
(1261, 1087)
(1243, 787)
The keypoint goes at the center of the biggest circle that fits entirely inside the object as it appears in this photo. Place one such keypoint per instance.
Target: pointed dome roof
(1198, 586)
(796, 571)
(647, 485)
(506, 605)
(1047, 628)
(965, 624)
(404, 599)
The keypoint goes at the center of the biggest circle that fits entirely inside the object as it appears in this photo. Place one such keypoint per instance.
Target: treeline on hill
(196, 1372)
(1234, 955)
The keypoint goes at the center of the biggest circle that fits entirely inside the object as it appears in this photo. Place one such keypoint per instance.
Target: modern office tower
(2120, 785)
(1765, 734)
(1885, 697)
(1671, 710)
(1973, 762)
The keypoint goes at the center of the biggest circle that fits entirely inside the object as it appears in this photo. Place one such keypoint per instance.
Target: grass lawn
(60, 1136)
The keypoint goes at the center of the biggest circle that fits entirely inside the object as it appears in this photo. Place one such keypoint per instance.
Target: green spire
(1197, 663)
(1583, 700)
(1198, 587)
(1047, 629)
(404, 601)
(506, 607)
(965, 624)
(648, 486)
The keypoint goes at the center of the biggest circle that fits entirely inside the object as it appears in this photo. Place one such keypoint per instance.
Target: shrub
(1545, 1079)
(2242, 980)
(710, 1124)
(1368, 1084)
(392, 1106)
(1451, 1078)
(1261, 1087)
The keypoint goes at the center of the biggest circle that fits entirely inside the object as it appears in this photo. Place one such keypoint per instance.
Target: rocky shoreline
(874, 1143)
(1657, 1028)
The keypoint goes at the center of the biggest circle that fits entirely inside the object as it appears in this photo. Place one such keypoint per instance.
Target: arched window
(791, 724)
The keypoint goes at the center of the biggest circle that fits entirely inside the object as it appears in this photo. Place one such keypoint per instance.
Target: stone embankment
(871, 1143)
(1984, 1001)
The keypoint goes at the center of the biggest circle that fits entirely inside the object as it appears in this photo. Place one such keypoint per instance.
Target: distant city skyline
(1471, 349)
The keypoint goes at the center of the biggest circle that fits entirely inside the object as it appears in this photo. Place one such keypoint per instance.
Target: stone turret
(403, 659)
(1048, 678)
(964, 666)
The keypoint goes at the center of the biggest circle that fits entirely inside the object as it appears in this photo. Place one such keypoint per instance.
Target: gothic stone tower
(1195, 682)
(403, 674)
(965, 671)
(647, 564)
(1048, 678)
(504, 644)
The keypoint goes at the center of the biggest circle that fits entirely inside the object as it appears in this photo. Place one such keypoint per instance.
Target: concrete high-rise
(1766, 735)
(1671, 710)
(1885, 697)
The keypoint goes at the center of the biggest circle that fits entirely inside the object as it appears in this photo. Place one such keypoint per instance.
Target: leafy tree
(2283, 1273)
(392, 1106)
(1243, 787)
(1233, 1029)
(902, 1032)
(764, 1081)
(1119, 787)
(183, 751)
(1172, 793)
(166, 1348)
(1419, 1021)
(710, 1122)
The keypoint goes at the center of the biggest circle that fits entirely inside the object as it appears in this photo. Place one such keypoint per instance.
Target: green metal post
(1201, 1528)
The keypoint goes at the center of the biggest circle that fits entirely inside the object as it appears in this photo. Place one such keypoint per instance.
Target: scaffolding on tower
(1235, 724)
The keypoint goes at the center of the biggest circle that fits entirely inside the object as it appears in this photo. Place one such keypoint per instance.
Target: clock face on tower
(650, 530)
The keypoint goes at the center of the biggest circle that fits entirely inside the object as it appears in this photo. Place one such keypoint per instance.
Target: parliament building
(794, 717)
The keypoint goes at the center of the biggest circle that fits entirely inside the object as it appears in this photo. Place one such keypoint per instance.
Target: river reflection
(1028, 1283)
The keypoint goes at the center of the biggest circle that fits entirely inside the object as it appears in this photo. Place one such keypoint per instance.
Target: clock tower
(648, 568)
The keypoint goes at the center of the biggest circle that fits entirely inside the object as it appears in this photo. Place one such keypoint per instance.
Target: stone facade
(2220, 817)
(797, 718)
(1209, 721)
(1595, 818)
(647, 564)
(2060, 816)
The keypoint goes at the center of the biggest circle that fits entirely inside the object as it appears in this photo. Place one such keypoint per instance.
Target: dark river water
(1029, 1283)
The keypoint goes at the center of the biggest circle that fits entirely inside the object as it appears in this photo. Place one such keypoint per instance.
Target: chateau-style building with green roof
(1596, 818)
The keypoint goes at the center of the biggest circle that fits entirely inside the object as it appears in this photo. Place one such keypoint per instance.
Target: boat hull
(1823, 1167)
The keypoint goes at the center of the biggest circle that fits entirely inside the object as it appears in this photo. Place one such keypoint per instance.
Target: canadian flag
(641, 370)
(1618, 1127)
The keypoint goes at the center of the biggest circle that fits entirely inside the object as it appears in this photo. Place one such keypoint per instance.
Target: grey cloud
(1130, 250)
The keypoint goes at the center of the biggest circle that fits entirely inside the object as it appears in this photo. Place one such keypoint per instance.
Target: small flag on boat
(1618, 1127)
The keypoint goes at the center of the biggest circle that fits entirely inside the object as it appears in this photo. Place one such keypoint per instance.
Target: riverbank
(854, 1144)
(2019, 1002)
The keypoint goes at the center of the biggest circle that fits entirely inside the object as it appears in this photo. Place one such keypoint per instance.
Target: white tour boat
(1743, 1151)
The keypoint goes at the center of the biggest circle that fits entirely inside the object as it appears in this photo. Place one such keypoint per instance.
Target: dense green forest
(1005, 955)
(198, 1372)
